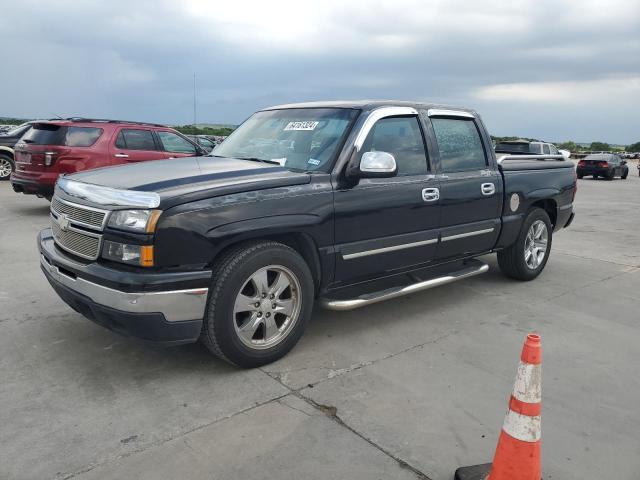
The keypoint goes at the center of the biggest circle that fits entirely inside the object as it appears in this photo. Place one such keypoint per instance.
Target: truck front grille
(89, 217)
(76, 242)
(77, 228)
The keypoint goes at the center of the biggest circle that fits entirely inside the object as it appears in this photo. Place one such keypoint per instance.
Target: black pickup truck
(340, 203)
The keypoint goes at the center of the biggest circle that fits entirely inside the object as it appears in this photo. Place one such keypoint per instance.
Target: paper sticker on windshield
(301, 126)
(313, 161)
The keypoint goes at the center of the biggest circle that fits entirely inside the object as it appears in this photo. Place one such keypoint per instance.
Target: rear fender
(545, 198)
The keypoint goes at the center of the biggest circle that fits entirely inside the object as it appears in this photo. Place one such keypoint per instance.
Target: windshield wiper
(263, 160)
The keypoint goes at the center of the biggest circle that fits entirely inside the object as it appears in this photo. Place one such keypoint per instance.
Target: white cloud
(568, 92)
(136, 59)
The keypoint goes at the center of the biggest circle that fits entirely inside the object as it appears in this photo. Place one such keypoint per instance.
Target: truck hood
(186, 179)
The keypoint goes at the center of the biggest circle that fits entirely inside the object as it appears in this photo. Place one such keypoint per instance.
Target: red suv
(56, 147)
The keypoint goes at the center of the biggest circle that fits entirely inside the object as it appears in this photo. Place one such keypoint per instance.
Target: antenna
(194, 100)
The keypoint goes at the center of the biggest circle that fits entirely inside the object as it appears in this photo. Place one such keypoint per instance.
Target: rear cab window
(459, 145)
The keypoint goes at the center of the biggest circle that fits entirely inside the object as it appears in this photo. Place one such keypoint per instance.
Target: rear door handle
(430, 194)
(488, 189)
(121, 155)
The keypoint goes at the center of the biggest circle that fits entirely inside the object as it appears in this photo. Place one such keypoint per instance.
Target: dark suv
(605, 165)
(56, 147)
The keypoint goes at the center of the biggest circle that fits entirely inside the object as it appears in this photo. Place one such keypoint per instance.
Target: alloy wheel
(5, 167)
(535, 244)
(267, 307)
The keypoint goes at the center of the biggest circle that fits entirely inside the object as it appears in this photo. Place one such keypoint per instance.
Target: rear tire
(611, 175)
(252, 319)
(527, 257)
(625, 175)
(595, 177)
(7, 166)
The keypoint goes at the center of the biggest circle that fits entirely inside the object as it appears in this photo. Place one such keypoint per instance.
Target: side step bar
(381, 296)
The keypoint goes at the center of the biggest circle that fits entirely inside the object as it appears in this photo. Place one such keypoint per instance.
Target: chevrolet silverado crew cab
(343, 204)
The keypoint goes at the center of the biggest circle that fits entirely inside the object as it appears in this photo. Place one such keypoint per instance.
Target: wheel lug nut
(268, 314)
(259, 314)
(257, 304)
(264, 295)
(273, 305)
(272, 296)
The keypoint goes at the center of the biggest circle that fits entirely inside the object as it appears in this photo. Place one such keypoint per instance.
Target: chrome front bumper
(174, 305)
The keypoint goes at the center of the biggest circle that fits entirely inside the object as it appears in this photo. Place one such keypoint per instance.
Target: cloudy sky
(555, 70)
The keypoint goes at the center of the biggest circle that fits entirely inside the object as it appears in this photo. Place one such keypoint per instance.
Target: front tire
(527, 257)
(259, 303)
(6, 166)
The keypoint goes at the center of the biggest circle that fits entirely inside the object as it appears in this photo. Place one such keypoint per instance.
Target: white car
(565, 153)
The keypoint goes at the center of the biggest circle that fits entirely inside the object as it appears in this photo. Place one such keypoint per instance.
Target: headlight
(140, 221)
(141, 255)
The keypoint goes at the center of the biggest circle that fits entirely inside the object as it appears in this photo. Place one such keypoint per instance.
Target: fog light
(131, 254)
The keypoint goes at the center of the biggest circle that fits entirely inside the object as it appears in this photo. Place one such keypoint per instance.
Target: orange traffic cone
(518, 452)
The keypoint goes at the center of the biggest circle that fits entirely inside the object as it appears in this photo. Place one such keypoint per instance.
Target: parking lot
(410, 388)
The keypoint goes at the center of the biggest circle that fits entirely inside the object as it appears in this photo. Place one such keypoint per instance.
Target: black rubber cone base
(476, 472)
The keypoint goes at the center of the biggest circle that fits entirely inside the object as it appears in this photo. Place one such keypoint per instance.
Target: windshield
(301, 139)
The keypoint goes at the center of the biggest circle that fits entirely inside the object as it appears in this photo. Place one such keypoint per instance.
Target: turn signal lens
(146, 256)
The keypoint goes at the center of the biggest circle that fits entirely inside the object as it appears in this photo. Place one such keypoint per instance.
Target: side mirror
(200, 151)
(377, 164)
(624, 162)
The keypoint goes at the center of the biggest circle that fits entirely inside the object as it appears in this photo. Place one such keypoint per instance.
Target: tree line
(573, 147)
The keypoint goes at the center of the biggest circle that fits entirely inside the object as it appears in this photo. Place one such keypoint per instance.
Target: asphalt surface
(411, 388)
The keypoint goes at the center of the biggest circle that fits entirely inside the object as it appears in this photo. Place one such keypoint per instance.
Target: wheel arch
(297, 239)
(550, 206)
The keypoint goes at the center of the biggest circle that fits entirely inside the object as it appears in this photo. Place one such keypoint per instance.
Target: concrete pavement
(410, 388)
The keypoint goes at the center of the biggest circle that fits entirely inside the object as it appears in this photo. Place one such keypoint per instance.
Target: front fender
(255, 227)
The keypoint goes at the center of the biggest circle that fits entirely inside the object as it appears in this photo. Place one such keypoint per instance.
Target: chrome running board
(381, 296)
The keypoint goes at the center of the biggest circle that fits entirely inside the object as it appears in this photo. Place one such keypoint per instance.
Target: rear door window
(459, 145)
(175, 143)
(82, 136)
(135, 139)
(545, 149)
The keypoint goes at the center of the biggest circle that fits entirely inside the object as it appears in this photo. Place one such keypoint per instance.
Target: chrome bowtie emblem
(63, 221)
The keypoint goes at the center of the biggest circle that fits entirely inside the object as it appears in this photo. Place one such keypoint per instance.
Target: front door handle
(121, 155)
(430, 194)
(488, 189)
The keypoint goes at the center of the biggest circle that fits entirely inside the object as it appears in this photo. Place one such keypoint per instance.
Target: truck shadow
(31, 210)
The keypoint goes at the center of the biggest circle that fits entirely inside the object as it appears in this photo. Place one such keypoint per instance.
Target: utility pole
(194, 100)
